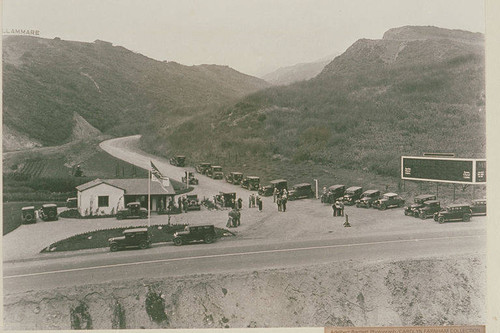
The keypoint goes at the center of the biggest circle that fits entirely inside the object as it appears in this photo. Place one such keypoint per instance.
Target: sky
(252, 36)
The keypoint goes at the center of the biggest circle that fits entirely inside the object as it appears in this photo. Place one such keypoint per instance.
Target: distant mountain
(46, 82)
(299, 72)
(419, 89)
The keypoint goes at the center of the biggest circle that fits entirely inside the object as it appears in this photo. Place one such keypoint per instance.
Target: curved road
(266, 240)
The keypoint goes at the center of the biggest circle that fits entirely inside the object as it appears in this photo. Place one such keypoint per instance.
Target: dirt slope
(417, 292)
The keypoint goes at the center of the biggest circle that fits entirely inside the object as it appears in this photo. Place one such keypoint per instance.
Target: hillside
(419, 89)
(50, 84)
(299, 72)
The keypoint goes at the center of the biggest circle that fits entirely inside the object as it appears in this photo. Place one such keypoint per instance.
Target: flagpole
(149, 197)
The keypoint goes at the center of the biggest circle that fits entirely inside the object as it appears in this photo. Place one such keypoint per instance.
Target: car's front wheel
(422, 216)
(113, 247)
(466, 217)
(177, 241)
(144, 215)
(209, 239)
(143, 245)
(383, 207)
(441, 220)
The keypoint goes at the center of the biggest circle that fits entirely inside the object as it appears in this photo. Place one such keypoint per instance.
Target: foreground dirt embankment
(417, 292)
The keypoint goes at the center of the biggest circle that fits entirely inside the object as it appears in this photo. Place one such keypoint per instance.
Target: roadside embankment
(447, 291)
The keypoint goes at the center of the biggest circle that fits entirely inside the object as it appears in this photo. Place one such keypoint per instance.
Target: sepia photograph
(227, 164)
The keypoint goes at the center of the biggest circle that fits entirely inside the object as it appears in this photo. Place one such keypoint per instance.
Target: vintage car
(428, 209)
(28, 214)
(205, 233)
(333, 193)
(48, 212)
(203, 168)
(301, 191)
(137, 237)
(133, 210)
(226, 199)
(178, 160)
(478, 207)
(352, 194)
(267, 190)
(457, 212)
(251, 183)
(71, 202)
(192, 202)
(192, 179)
(418, 202)
(388, 200)
(234, 178)
(367, 198)
(215, 172)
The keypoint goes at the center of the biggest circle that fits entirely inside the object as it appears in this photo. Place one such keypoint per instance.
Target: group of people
(338, 208)
(280, 198)
(234, 218)
(220, 200)
(255, 201)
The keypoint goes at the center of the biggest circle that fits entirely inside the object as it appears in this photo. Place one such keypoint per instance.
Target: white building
(106, 196)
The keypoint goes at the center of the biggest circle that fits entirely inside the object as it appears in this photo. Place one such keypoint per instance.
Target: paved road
(226, 256)
(305, 234)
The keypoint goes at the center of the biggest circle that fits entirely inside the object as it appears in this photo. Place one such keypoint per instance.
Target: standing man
(283, 203)
(240, 203)
(259, 203)
(275, 194)
(278, 202)
(341, 207)
(250, 201)
(334, 207)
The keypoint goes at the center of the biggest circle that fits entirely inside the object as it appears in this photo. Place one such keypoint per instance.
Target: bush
(70, 213)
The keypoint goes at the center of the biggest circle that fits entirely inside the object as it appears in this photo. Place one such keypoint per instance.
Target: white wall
(88, 199)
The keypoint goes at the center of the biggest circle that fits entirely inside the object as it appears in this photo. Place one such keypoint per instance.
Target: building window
(103, 201)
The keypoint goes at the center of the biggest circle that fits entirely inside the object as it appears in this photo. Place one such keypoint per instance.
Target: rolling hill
(54, 87)
(299, 72)
(418, 89)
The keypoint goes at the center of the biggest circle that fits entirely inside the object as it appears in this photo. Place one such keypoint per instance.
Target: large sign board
(446, 170)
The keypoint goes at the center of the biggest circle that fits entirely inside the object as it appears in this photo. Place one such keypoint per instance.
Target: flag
(156, 176)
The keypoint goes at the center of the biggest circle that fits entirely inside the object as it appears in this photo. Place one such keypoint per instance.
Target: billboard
(446, 170)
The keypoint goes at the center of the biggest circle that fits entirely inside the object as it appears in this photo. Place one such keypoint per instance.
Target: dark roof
(131, 186)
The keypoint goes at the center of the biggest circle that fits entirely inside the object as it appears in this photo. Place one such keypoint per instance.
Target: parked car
(251, 183)
(267, 190)
(178, 160)
(428, 209)
(388, 200)
(28, 214)
(478, 207)
(215, 172)
(203, 168)
(193, 202)
(137, 237)
(333, 193)
(205, 233)
(457, 212)
(133, 210)
(301, 191)
(418, 202)
(48, 212)
(71, 203)
(192, 179)
(234, 178)
(367, 198)
(226, 199)
(352, 194)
